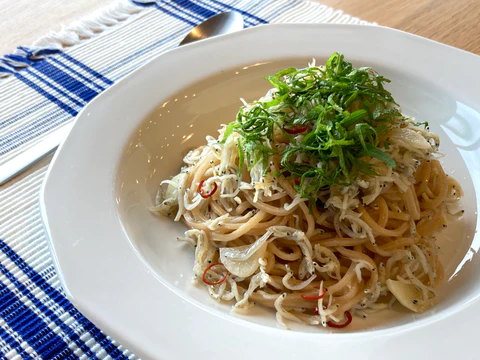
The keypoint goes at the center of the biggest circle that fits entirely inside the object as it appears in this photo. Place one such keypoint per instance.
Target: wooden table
(453, 22)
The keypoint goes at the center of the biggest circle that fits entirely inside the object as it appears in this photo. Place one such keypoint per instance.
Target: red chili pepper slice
(204, 276)
(313, 297)
(339, 326)
(295, 129)
(202, 193)
(297, 181)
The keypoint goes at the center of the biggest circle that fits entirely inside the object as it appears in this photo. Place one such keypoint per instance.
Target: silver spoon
(220, 24)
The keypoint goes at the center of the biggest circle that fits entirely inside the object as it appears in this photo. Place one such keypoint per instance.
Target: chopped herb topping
(331, 117)
(425, 124)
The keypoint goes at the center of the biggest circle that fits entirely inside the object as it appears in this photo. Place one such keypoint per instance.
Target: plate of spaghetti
(320, 195)
(321, 200)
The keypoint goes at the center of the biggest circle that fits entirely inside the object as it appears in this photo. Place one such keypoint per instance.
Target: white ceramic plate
(120, 264)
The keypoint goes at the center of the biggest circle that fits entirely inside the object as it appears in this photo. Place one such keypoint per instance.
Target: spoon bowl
(220, 24)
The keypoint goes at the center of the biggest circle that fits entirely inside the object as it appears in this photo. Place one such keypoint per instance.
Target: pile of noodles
(357, 249)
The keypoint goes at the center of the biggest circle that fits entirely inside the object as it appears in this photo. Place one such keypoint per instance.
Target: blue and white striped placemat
(42, 88)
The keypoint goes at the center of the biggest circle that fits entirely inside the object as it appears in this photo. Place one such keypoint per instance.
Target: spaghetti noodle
(316, 227)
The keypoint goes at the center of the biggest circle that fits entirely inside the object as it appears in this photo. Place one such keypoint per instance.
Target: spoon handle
(33, 155)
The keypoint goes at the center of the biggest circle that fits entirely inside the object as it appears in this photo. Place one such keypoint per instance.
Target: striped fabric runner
(42, 89)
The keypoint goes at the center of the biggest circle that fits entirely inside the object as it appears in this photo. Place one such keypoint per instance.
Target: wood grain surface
(453, 22)
(24, 21)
